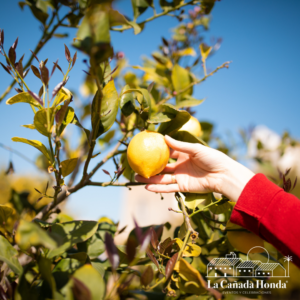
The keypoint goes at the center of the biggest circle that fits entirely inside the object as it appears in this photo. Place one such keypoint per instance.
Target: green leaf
(36, 144)
(40, 121)
(24, 97)
(64, 269)
(91, 278)
(5, 213)
(8, 255)
(189, 101)
(180, 118)
(106, 139)
(181, 79)
(161, 118)
(218, 209)
(205, 51)
(68, 118)
(188, 137)
(140, 6)
(71, 233)
(109, 108)
(146, 100)
(192, 200)
(115, 19)
(63, 95)
(93, 36)
(127, 102)
(128, 172)
(38, 9)
(45, 268)
(30, 234)
(68, 166)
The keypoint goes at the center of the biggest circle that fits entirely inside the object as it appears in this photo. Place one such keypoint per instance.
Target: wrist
(235, 179)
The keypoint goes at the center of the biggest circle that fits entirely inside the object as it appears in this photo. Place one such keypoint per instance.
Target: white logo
(231, 266)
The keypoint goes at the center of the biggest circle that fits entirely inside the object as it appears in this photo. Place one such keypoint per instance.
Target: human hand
(199, 169)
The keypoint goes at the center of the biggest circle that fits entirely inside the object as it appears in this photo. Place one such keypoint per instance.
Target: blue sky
(260, 87)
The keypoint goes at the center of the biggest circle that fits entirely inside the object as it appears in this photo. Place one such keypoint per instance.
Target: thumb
(188, 148)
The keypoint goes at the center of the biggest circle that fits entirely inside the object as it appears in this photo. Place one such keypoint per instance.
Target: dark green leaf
(140, 6)
(188, 137)
(180, 118)
(127, 102)
(70, 233)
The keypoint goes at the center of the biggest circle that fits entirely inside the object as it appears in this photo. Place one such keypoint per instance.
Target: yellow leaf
(30, 126)
(40, 121)
(24, 97)
(205, 50)
(5, 213)
(185, 52)
(36, 144)
(191, 280)
(68, 166)
(106, 220)
(63, 95)
(191, 250)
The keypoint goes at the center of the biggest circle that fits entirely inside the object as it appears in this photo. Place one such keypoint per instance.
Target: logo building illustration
(232, 266)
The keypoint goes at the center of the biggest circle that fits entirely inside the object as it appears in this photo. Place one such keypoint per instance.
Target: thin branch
(224, 65)
(41, 43)
(109, 183)
(64, 194)
(186, 217)
(155, 16)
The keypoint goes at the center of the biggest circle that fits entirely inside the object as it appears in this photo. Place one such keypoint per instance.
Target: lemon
(193, 126)
(148, 153)
(243, 241)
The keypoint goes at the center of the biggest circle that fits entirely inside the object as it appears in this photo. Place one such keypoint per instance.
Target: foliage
(47, 255)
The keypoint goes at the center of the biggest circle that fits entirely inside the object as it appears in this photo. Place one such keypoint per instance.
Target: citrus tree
(47, 255)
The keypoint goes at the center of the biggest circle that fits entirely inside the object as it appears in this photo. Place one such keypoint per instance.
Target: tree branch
(224, 65)
(155, 16)
(64, 194)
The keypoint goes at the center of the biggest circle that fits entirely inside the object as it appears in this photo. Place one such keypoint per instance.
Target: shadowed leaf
(112, 251)
(67, 53)
(170, 266)
(147, 276)
(131, 248)
(35, 71)
(68, 166)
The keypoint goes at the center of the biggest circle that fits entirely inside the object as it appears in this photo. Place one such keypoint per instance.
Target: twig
(224, 65)
(211, 204)
(64, 194)
(109, 183)
(186, 217)
(41, 43)
(18, 153)
(155, 16)
(156, 284)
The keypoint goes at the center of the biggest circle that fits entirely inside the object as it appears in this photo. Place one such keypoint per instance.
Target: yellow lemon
(243, 240)
(148, 153)
(193, 126)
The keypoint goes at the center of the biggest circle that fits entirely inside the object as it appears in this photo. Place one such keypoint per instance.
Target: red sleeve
(270, 212)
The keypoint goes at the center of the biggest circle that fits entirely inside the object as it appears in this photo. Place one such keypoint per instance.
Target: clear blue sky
(260, 87)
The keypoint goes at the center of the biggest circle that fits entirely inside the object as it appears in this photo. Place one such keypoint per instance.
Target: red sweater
(270, 212)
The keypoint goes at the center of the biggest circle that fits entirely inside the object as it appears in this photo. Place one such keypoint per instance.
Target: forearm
(235, 179)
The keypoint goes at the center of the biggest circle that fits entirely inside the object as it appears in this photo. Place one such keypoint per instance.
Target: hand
(199, 169)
